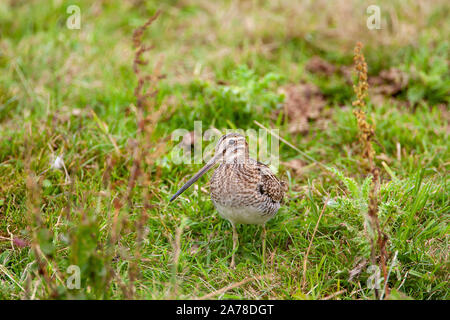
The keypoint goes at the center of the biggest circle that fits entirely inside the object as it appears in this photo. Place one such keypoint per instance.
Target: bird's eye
(231, 142)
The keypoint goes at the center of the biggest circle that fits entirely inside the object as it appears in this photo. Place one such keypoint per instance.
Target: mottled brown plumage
(249, 187)
(243, 190)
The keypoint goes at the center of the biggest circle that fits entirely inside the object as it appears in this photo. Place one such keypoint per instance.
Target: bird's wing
(269, 184)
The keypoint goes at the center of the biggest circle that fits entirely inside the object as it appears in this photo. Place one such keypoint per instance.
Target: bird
(243, 190)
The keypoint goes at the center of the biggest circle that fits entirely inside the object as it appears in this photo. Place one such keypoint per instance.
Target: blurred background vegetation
(286, 64)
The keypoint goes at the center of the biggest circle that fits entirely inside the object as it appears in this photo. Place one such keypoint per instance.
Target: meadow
(86, 151)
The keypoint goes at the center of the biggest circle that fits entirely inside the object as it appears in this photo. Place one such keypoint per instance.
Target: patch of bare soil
(382, 87)
(388, 82)
(318, 65)
(296, 166)
(303, 102)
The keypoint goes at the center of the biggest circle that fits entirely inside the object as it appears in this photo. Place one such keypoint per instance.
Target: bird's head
(231, 148)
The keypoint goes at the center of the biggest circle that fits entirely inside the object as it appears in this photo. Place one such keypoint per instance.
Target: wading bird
(243, 190)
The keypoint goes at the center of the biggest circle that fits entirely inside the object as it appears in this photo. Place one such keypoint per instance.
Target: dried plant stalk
(35, 222)
(147, 117)
(366, 132)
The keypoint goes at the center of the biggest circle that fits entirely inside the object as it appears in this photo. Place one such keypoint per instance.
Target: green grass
(223, 65)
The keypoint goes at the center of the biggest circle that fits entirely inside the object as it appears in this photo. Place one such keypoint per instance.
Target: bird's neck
(236, 158)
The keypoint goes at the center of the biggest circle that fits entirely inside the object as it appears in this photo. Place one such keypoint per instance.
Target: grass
(71, 93)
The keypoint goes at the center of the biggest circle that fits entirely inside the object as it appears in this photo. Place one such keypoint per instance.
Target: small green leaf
(46, 183)
(415, 94)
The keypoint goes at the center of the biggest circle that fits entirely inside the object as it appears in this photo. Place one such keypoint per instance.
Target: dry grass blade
(232, 286)
(103, 127)
(305, 261)
(290, 145)
(335, 294)
(176, 245)
(6, 272)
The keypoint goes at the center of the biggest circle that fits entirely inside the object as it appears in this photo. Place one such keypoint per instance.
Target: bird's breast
(239, 195)
(245, 214)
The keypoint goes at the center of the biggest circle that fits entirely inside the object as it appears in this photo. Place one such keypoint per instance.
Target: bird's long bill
(196, 176)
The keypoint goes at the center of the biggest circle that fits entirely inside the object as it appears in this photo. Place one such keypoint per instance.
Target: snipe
(243, 190)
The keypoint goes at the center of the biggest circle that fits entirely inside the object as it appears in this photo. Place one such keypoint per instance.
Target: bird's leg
(264, 244)
(235, 245)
